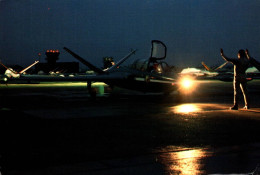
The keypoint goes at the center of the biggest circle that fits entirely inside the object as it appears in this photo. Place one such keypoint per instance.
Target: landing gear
(91, 91)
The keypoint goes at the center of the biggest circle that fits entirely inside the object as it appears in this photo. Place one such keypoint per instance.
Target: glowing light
(159, 70)
(186, 108)
(186, 83)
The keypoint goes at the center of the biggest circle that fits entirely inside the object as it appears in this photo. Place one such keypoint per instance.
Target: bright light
(186, 108)
(187, 85)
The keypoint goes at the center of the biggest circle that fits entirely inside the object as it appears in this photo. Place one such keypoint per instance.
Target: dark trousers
(242, 84)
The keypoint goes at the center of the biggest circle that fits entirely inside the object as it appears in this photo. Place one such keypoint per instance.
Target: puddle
(184, 161)
(237, 159)
(193, 108)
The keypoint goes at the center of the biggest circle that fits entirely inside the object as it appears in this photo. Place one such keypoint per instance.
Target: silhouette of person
(240, 66)
(254, 62)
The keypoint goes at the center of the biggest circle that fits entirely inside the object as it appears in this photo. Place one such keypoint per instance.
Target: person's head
(241, 53)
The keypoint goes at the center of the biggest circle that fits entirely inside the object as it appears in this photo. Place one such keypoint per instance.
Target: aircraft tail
(207, 67)
(213, 70)
(222, 65)
(8, 68)
(85, 62)
(22, 71)
(10, 72)
(121, 61)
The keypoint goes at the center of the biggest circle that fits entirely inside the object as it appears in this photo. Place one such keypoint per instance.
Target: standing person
(255, 63)
(240, 66)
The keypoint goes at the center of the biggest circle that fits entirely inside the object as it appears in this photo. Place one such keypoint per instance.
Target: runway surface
(58, 129)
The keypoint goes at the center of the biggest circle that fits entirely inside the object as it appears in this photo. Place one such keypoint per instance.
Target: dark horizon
(193, 31)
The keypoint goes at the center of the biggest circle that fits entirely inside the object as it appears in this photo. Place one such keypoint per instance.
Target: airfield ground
(57, 129)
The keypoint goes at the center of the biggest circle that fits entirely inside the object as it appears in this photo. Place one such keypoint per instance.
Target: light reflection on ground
(184, 162)
(186, 108)
(190, 108)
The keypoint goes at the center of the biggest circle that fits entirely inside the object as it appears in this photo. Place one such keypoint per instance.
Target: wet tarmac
(57, 129)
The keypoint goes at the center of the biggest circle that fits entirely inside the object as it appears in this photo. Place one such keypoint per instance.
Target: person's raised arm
(248, 55)
(253, 61)
(226, 58)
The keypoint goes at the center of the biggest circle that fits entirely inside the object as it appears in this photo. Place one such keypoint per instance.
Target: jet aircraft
(10, 73)
(227, 75)
(197, 73)
(217, 74)
(143, 75)
(211, 69)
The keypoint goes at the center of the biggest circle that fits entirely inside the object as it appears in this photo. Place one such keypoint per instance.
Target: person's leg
(243, 86)
(236, 87)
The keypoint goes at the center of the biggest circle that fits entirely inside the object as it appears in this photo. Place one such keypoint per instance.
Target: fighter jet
(146, 75)
(215, 69)
(10, 73)
(228, 75)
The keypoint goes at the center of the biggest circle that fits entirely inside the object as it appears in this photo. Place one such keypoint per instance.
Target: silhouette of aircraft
(10, 73)
(144, 75)
(213, 69)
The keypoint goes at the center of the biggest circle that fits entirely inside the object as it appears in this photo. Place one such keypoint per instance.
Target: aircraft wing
(103, 77)
(121, 61)
(83, 61)
(96, 69)
(115, 78)
(28, 67)
(79, 78)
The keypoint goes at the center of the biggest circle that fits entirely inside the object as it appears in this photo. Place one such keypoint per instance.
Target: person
(252, 61)
(240, 66)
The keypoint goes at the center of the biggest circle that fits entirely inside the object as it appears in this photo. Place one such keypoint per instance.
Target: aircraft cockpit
(140, 64)
(153, 67)
(153, 64)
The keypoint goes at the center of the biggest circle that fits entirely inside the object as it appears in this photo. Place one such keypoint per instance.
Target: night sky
(193, 30)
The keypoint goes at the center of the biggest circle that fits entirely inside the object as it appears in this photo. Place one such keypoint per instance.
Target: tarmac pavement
(59, 130)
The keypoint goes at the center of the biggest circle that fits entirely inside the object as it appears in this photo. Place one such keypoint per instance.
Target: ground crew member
(240, 66)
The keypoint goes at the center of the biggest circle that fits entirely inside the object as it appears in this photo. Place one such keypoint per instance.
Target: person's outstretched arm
(253, 61)
(248, 56)
(232, 60)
